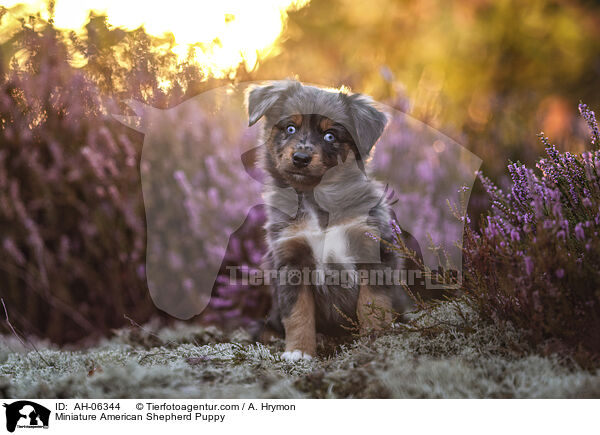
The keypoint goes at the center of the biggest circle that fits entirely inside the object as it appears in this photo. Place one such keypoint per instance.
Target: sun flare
(221, 35)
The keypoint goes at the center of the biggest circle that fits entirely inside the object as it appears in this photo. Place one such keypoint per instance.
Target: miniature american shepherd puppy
(317, 144)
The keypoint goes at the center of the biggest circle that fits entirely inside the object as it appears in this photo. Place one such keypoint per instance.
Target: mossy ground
(453, 356)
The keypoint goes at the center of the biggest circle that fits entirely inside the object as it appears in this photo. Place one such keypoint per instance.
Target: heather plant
(72, 230)
(535, 261)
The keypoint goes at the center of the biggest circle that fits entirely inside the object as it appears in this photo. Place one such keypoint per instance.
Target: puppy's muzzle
(301, 159)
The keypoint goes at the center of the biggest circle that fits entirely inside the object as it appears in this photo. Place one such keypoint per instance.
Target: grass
(454, 355)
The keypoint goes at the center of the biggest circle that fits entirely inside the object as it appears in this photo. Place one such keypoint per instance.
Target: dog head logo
(198, 159)
(26, 414)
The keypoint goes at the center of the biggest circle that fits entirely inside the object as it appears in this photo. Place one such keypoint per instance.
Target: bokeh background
(489, 74)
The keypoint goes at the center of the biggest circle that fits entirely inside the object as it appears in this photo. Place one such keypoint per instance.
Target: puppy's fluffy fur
(317, 142)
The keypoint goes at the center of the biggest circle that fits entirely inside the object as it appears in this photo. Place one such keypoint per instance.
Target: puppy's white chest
(342, 243)
(330, 245)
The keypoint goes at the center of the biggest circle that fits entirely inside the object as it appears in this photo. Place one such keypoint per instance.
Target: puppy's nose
(301, 159)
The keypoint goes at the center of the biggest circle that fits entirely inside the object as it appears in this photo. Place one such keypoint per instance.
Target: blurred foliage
(488, 73)
(72, 230)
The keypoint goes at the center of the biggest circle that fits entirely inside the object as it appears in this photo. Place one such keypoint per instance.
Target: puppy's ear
(369, 122)
(262, 98)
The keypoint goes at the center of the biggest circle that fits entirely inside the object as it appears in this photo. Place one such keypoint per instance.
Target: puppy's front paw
(295, 355)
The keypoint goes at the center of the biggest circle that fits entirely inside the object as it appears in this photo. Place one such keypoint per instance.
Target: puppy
(316, 144)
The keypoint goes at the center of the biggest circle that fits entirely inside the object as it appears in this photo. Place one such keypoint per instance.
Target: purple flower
(371, 236)
(528, 265)
(590, 118)
(395, 228)
(579, 232)
(514, 235)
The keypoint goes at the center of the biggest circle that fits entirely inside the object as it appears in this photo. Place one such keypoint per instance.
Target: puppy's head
(309, 130)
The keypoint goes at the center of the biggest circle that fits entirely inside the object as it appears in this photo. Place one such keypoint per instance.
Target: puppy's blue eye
(329, 137)
(290, 129)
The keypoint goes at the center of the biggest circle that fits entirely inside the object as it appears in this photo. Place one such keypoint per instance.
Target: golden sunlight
(220, 34)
